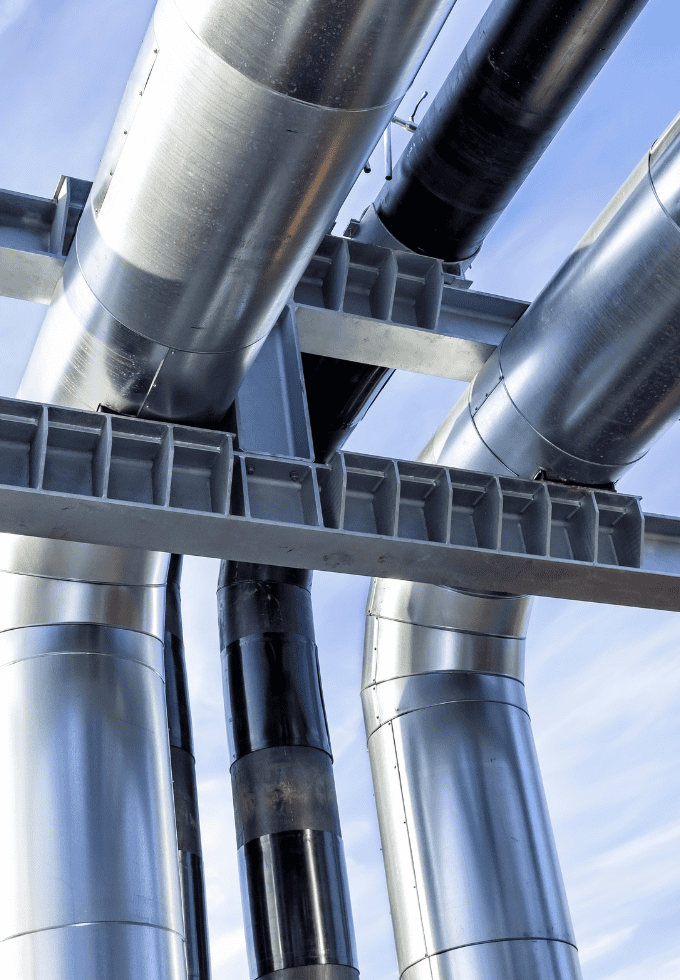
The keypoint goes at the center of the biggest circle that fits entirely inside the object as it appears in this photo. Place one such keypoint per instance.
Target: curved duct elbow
(586, 380)
(241, 131)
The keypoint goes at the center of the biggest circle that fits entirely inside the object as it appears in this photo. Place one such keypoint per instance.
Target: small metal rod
(387, 141)
(405, 124)
(412, 117)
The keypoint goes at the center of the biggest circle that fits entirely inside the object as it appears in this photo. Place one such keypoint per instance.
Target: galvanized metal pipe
(294, 888)
(185, 793)
(518, 78)
(587, 379)
(242, 129)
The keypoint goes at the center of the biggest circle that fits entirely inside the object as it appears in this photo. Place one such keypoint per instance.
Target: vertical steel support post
(291, 860)
(185, 793)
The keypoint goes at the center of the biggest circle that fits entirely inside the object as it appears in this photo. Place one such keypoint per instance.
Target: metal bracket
(35, 236)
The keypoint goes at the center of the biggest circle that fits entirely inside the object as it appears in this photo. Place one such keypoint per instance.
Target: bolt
(250, 469)
(295, 476)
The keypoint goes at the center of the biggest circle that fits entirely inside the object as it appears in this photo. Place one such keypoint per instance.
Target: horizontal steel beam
(365, 303)
(83, 476)
(356, 302)
(35, 236)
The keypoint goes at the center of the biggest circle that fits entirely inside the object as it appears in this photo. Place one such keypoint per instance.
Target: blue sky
(603, 683)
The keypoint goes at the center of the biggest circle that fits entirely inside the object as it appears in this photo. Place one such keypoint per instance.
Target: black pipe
(518, 78)
(291, 861)
(184, 783)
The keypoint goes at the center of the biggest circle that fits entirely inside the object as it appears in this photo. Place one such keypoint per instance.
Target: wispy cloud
(11, 11)
(603, 944)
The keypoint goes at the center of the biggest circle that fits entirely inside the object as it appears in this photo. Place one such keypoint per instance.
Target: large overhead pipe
(587, 379)
(294, 888)
(242, 129)
(184, 789)
(520, 75)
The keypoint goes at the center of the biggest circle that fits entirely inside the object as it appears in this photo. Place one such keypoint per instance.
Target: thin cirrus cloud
(11, 10)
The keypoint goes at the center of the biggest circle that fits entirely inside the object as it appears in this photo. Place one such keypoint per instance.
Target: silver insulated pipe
(242, 128)
(587, 379)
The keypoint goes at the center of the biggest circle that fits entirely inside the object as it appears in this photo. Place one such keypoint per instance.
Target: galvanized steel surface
(521, 958)
(608, 388)
(464, 779)
(88, 810)
(603, 335)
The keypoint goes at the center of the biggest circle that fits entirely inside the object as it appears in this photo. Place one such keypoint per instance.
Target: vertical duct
(291, 861)
(185, 793)
(243, 127)
(90, 886)
(587, 379)
(229, 158)
(518, 78)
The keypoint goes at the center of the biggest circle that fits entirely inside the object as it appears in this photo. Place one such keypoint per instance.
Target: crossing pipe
(587, 379)
(518, 78)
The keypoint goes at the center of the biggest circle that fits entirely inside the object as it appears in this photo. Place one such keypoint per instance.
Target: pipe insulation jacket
(587, 379)
(294, 887)
(241, 131)
(518, 78)
(242, 128)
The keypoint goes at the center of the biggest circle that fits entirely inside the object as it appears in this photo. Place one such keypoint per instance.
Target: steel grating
(89, 477)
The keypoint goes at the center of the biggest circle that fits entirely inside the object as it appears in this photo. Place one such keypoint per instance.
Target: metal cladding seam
(587, 379)
(294, 888)
(518, 78)
(242, 128)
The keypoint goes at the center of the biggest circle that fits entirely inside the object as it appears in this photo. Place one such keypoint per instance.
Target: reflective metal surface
(88, 807)
(68, 561)
(609, 381)
(212, 194)
(315, 971)
(398, 697)
(406, 649)
(521, 958)
(294, 890)
(411, 602)
(91, 951)
(518, 78)
(582, 385)
(28, 642)
(307, 49)
(33, 601)
(477, 827)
